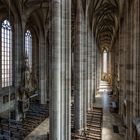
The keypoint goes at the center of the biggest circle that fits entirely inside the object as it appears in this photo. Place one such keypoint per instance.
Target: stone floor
(109, 119)
(39, 133)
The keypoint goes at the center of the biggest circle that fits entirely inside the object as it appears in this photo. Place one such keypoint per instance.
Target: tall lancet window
(28, 48)
(6, 53)
(105, 61)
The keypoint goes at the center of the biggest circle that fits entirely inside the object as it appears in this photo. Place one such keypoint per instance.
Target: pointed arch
(6, 53)
(28, 47)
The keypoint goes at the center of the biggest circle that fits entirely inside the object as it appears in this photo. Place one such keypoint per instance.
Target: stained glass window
(6, 53)
(28, 47)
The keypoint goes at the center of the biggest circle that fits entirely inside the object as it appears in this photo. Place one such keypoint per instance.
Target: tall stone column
(101, 63)
(78, 70)
(121, 67)
(85, 72)
(42, 70)
(89, 68)
(18, 62)
(109, 61)
(97, 67)
(92, 98)
(60, 98)
(137, 60)
(18, 53)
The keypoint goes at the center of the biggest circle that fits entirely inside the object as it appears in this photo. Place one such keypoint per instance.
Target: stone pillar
(78, 70)
(136, 61)
(18, 63)
(48, 64)
(18, 53)
(109, 61)
(89, 67)
(85, 72)
(101, 63)
(121, 67)
(97, 67)
(60, 98)
(93, 72)
(42, 70)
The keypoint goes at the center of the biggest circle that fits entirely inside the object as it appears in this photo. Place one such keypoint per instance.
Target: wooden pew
(94, 126)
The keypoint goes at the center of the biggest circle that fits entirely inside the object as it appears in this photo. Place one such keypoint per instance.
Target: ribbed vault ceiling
(35, 11)
(104, 16)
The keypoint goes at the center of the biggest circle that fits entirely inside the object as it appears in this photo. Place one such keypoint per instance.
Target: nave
(104, 130)
(69, 69)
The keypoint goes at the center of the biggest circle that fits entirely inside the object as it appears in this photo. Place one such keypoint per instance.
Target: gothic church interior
(69, 70)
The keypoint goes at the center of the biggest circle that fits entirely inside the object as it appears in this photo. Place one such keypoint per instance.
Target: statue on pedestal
(28, 78)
